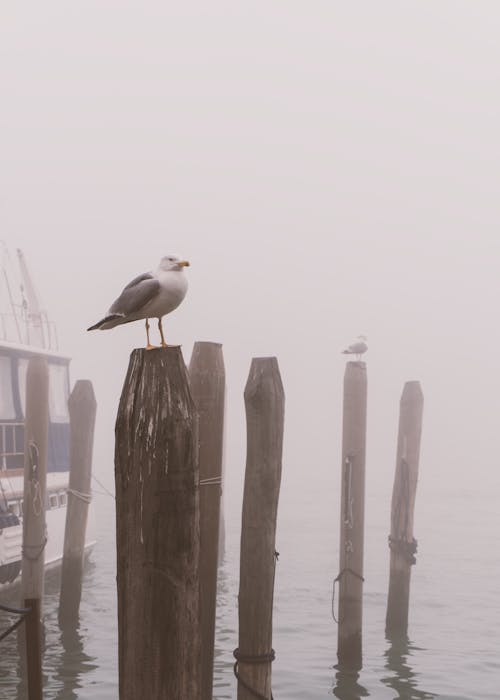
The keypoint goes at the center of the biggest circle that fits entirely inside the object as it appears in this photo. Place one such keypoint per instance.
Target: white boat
(25, 332)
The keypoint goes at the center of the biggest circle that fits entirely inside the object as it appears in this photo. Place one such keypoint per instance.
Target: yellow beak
(183, 263)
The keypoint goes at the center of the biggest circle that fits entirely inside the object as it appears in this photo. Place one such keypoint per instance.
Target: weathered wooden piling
(157, 523)
(207, 378)
(352, 513)
(34, 531)
(264, 403)
(401, 540)
(82, 410)
(222, 519)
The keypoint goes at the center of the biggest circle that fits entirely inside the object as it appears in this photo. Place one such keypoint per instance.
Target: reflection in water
(347, 686)
(403, 679)
(64, 658)
(12, 652)
(72, 665)
(64, 653)
(225, 638)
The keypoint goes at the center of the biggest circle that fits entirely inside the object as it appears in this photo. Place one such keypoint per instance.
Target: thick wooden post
(157, 524)
(34, 532)
(352, 514)
(265, 403)
(82, 409)
(401, 541)
(222, 519)
(207, 377)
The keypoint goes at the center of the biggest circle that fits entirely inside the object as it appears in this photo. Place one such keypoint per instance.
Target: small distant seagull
(358, 348)
(150, 295)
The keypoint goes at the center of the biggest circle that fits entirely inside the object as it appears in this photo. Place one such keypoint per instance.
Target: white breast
(173, 288)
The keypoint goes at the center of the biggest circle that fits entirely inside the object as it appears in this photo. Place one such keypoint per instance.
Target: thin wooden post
(157, 524)
(82, 410)
(401, 540)
(264, 403)
(34, 532)
(352, 514)
(207, 377)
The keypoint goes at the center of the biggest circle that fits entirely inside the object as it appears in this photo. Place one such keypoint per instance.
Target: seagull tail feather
(113, 319)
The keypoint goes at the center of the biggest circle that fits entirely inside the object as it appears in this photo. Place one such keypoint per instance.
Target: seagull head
(172, 263)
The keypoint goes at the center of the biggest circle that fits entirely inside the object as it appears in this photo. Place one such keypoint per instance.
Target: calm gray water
(452, 653)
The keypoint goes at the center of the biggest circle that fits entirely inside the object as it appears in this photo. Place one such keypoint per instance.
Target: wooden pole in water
(34, 533)
(82, 410)
(207, 378)
(352, 514)
(157, 524)
(265, 403)
(401, 540)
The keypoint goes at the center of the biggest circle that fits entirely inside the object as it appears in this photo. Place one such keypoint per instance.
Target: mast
(35, 317)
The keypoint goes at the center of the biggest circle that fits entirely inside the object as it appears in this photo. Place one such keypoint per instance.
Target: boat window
(22, 370)
(58, 393)
(53, 500)
(63, 498)
(7, 409)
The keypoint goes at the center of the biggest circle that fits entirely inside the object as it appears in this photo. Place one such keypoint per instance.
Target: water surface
(452, 649)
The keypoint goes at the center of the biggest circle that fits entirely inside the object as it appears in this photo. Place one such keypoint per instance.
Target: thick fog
(329, 169)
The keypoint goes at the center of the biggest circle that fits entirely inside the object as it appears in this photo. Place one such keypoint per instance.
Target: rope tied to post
(406, 549)
(23, 612)
(85, 497)
(38, 549)
(345, 570)
(35, 491)
(252, 659)
(256, 658)
(34, 488)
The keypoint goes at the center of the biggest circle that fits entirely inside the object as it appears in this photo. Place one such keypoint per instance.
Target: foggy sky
(328, 168)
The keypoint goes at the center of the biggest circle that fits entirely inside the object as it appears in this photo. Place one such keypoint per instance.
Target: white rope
(35, 492)
(107, 492)
(85, 497)
(211, 480)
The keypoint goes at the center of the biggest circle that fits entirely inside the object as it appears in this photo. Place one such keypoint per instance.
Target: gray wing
(135, 295)
(358, 348)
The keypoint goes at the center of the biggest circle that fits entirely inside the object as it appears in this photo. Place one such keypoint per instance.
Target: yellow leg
(160, 328)
(148, 346)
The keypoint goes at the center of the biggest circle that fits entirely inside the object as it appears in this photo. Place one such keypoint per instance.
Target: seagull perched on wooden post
(358, 348)
(150, 295)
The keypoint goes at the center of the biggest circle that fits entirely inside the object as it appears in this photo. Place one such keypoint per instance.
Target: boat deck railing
(29, 329)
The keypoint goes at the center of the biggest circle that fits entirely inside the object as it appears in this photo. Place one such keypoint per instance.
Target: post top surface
(203, 343)
(264, 372)
(172, 352)
(411, 389)
(354, 367)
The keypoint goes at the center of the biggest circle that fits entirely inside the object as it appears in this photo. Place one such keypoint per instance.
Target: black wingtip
(106, 319)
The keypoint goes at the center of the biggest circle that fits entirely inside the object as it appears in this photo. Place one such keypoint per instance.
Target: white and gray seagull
(150, 295)
(358, 348)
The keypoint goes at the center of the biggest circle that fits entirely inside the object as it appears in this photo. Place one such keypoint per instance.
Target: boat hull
(11, 527)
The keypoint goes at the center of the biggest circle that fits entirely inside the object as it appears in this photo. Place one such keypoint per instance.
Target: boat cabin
(13, 368)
